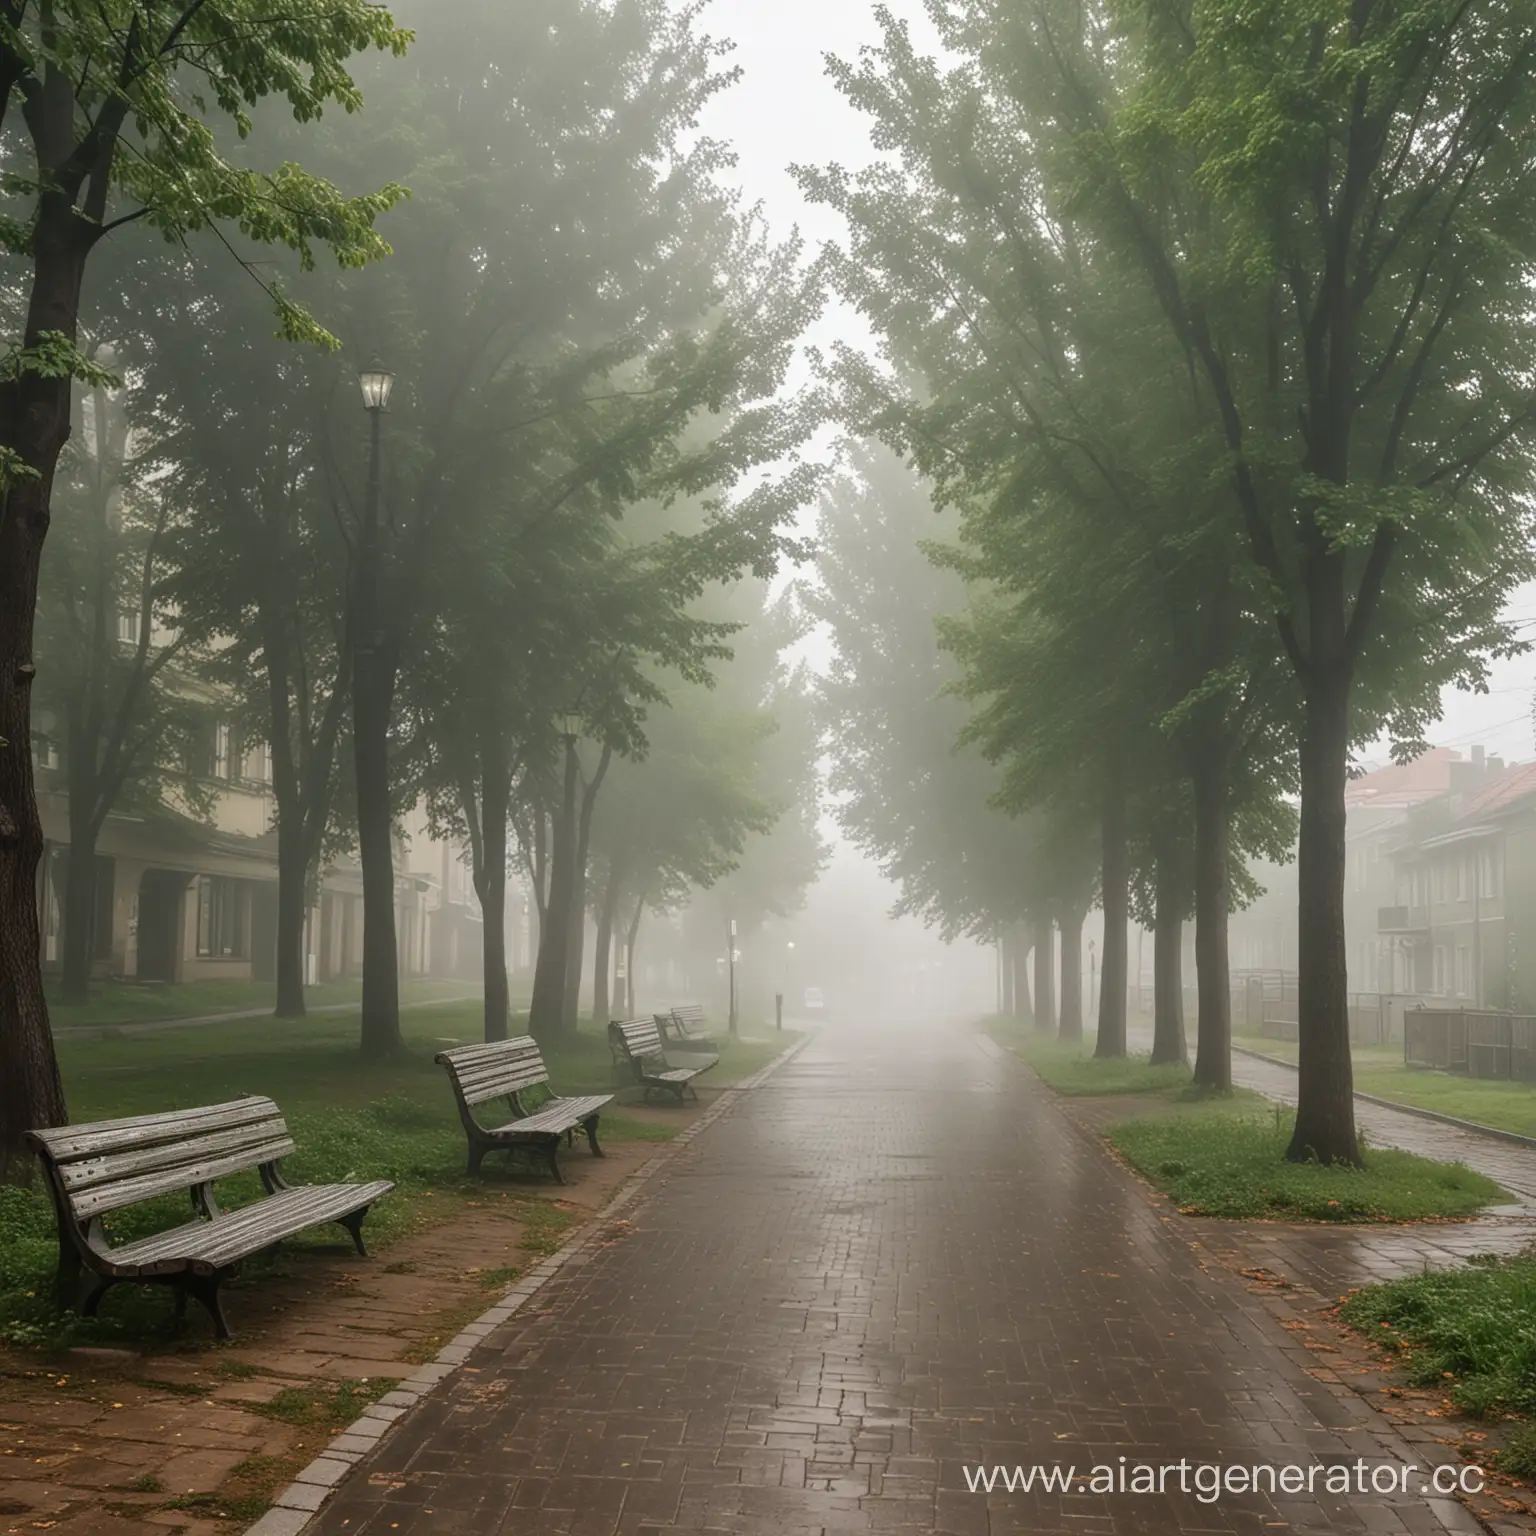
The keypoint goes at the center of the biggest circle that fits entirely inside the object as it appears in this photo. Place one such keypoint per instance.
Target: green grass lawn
(351, 1119)
(1379, 1070)
(1472, 1330)
(1072, 1069)
(1229, 1162)
(139, 1002)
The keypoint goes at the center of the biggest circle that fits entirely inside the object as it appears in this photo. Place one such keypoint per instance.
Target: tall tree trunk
(1071, 1027)
(292, 912)
(1325, 1109)
(1005, 992)
(1045, 974)
(578, 937)
(1018, 956)
(602, 959)
(1168, 1041)
(575, 952)
(79, 902)
(1213, 1047)
(303, 783)
(372, 701)
(1115, 887)
(490, 872)
(629, 958)
(34, 425)
(546, 1009)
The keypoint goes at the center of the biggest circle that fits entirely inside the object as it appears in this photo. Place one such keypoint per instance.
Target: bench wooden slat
(88, 1171)
(504, 1069)
(101, 1198)
(558, 1116)
(95, 1169)
(491, 1071)
(69, 1143)
(638, 1042)
(239, 1234)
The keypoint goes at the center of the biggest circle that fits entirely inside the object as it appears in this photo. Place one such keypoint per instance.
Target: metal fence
(1478, 1042)
(1370, 1019)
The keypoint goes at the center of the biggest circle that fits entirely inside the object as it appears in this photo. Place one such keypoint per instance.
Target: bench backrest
(688, 1014)
(104, 1166)
(638, 1037)
(497, 1070)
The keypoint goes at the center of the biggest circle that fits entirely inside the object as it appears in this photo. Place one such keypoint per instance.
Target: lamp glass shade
(375, 381)
(571, 724)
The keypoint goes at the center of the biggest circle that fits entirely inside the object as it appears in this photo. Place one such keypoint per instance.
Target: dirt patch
(190, 1436)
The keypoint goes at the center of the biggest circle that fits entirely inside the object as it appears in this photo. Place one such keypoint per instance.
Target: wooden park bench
(636, 1048)
(508, 1069)
(684, 1026)
(93, 1170)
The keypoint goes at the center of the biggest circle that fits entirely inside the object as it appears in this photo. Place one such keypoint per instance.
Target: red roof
(1501, 793)
(1405, 784)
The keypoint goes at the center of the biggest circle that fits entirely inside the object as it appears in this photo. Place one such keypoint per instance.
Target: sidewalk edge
(295, 1506)
(1473, 1127)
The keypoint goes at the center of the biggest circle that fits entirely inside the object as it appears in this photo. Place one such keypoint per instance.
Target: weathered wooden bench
(508, 1069)
(636, 1048)
(93, 1170)
(684, 1026)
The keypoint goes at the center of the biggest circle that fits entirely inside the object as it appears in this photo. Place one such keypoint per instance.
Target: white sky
(785, 110)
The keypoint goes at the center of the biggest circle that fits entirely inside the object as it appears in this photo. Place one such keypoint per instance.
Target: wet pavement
(894, 1261)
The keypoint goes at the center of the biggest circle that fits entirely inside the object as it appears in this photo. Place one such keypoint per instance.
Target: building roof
(1501, 793)
(1404, 784)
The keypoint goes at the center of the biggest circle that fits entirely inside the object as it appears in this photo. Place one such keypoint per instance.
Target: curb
(1474, 1127)
(297, 1505)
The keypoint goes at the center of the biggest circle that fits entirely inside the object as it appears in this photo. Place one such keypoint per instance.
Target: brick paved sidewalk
(895, 1260)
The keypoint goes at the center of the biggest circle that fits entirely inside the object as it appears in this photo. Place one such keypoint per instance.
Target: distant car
(815, 1003)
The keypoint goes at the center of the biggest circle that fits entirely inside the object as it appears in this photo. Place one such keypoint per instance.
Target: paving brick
(893, 1259)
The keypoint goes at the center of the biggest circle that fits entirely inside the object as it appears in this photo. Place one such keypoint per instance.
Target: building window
(128, 626)
(223, 754)
(1461, 879)
(1463, 971)
(258, 764)
(223, 918)
(45, 752)
(1488, 874)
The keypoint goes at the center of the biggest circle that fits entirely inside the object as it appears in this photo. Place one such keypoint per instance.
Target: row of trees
(1209, 328)
(514, 603)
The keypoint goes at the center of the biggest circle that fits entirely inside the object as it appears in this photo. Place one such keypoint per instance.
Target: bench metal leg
(354, 1225)
(477, 1151)
(552, 1156)
(92, 1288)
(590, 1127)
(205, 1290)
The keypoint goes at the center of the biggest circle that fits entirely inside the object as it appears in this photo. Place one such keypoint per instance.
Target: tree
(903, 790)
(1085, 494)
(106, 136)
(233, 435)
(109, 692)
(575, 290)
(1332, 214)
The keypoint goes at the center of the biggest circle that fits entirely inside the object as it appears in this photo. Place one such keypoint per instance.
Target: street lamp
(731, 951)
(570, 725)
(375, 381)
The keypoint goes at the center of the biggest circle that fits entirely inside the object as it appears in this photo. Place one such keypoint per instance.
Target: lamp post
(371, 689)
(731, 959)
(1093, 980)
